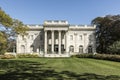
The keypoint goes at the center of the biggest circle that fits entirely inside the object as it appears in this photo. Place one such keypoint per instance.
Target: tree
(5, 20)
(115, 47)
(17, 28)
(5, 23)
(107, 31)
(8, 28)
(3, 43)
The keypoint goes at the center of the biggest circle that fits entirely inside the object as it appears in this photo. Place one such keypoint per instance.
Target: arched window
(71, 48)
(89, 49)
(31, 48)
(80, 49)
(22, 49)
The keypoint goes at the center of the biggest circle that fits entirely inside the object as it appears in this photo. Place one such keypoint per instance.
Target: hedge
(100, 56)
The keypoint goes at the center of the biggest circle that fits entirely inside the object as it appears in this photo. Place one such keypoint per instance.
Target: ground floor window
(56, 48)
(49, 49)
(22, 49)
(80, 49)
(71, 48)
(90, 49)
(62, 48)
(31, 48)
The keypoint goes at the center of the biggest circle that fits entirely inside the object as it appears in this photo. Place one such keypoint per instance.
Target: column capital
(52, 30)
(45, 30)
(59, 30)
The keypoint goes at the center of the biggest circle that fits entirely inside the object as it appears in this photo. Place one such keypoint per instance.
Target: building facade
(57, 39)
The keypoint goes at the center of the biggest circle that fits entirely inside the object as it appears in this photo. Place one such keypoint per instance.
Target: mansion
(57, 38)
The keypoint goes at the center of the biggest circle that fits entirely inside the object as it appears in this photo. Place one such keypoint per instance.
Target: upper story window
(90, 37)
(28, 36)
(85, 34)
(23, 37)
(71, 37)
(32, 37)
(80, 37)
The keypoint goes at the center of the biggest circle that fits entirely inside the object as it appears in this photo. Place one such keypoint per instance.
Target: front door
(56, 48)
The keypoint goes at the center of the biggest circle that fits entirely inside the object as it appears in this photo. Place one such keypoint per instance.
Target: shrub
(27, 55)
(85, 55)
(100, 56)
(7, 56)
(107, 57)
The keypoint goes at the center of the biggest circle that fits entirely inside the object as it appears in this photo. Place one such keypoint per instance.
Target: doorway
(56, 48)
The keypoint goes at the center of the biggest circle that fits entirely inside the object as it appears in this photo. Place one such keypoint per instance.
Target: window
(22, 49)
(23, 37)
(31, 48)
(28, 36)
(80, 49)
(41, 37)
(89, 49)
(49, 48)
(71, 48)
(32, 37)
(80, 37)
(71, 37)
(90, 37)
(36, 34)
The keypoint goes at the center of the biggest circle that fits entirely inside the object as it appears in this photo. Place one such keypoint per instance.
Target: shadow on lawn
(25, 70)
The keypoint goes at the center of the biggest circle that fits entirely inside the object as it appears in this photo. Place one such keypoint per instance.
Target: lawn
(59, 69)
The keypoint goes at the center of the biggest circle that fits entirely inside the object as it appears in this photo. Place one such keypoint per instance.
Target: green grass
(59, 69)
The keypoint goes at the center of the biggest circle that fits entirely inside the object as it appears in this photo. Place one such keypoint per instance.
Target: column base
(56, 55)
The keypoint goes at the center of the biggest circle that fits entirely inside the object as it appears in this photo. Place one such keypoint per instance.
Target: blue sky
(75, 11)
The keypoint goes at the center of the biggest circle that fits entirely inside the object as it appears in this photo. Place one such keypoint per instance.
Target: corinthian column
(52, 41)
(66, 50)
(59, 42)
(45, 43)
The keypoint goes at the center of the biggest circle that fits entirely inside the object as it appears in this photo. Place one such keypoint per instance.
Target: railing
(82, 26)
(34, 25)
(50, 22)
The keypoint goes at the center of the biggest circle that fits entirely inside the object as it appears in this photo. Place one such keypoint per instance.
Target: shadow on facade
(91, 47)
(25, 70)
(38, 43)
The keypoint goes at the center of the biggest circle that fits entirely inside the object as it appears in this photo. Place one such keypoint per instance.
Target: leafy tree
(3, 43)
(107, 32)
(17, 28)
(5, 19)
(115, 47)
(8, 29)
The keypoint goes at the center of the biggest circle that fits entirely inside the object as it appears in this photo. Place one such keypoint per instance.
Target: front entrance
(56, 48)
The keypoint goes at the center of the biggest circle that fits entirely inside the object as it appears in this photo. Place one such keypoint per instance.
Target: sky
(74, 11)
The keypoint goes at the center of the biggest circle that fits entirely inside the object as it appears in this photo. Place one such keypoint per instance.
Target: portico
(55, 42)
(55, 37)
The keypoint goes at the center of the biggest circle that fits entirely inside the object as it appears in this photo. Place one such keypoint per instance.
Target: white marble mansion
(57, 38)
